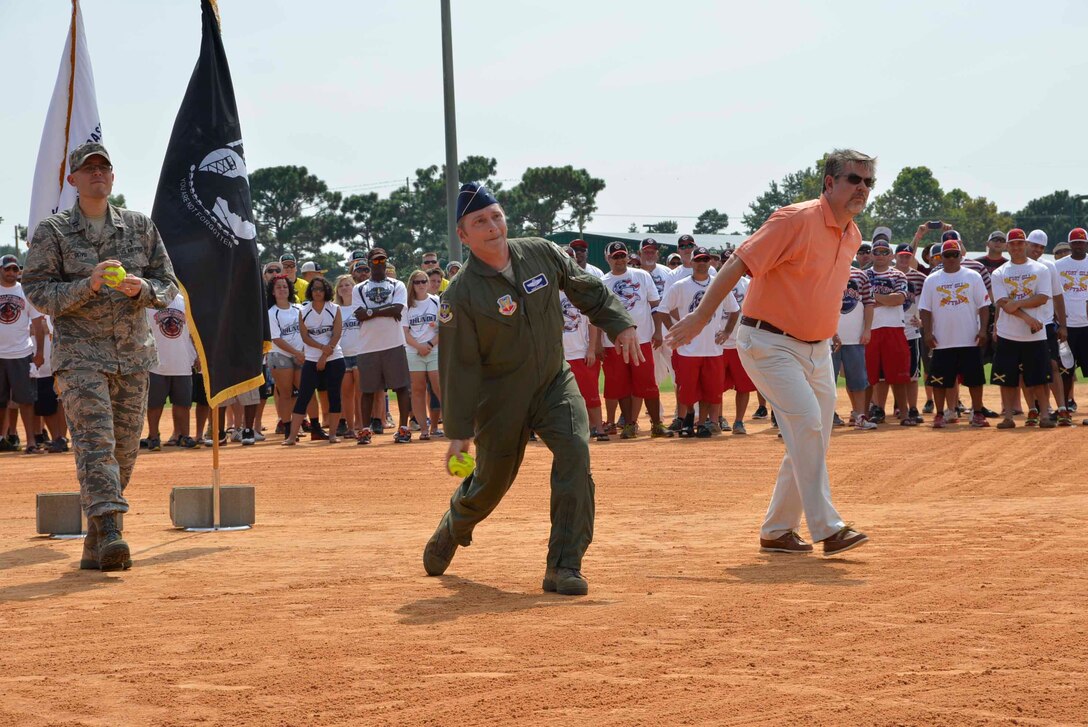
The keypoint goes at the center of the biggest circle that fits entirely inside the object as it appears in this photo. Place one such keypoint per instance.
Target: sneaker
(928, 408)
(13, 440)
(1033, 418)
(248, 438)
(908, 422)
(207, 441)
(714, 427)
(258, 436)
(915, 416)
(6, 447)
(629, 432)
(389, 420)
(723, 424)
(989, 413)
(565, 582)
(738, 428)
(437, 433)
(376, 426)
(658, 430)
(846, 539)
(154, 444)
(364, 436)
(1006, 423)
(978, 420)
(403, 435)
(938, 421)
(317, 434)
(342, 428)
(837, 421)
(412, 424)
(600, 436)
(1048, 423)
(1064, 419)
(235, 435)
(187, 442)
(281, 428)
(951, 416)
(677, 425)
(864, 424)
(609, 428)
(878, 415)
(960, 408)
(791, 542)
(703, 431)
(440, 549)
(1071, 405)
(58, 445)
(761, 413)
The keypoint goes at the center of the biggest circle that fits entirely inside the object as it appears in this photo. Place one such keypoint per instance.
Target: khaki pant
(105, 414)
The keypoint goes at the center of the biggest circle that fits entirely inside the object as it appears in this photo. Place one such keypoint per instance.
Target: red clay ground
(966, 608)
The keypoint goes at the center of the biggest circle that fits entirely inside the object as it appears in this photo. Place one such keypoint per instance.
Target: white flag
(72, 120)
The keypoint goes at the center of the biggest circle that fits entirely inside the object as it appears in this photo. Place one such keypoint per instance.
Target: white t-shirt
(170, 326)
(887, 282)
(638, 294)
(422, 320)
(1074, 277)
(283, 323)
(351, 340)
(1046, 310)
(46, 369)
(682, 272)
(954, 299)
(320, 326)
(662, 277)
(15, 316)
(739, 292)
(594, 271)
(684, 297)
(381, 333)
(1019, 282)
(575, 330)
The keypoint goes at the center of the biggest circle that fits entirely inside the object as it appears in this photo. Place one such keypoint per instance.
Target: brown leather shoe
(789, 543)
(844, 540)
(440, 548)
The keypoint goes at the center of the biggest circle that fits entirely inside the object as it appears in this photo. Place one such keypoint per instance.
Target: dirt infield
(968, 606)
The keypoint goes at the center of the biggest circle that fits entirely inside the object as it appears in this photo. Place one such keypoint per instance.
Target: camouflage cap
(85, 151)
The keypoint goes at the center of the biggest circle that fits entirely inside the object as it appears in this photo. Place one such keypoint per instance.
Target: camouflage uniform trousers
(105, 413)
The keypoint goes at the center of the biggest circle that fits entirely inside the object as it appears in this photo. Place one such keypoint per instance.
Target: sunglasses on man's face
(950, 254)
(882, 253)
(274, 270)
(856, 179)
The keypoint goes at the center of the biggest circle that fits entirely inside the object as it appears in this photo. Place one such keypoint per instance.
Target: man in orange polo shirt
(799, 262)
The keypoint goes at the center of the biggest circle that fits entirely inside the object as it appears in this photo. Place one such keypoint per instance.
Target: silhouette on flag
(204, 213)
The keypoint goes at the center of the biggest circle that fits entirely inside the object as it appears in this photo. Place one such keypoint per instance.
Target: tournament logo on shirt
(171, 322)
(695, 300)
(11, 307)
(1021, 287)
(627, 290)
(378, 294)
(572, 317)
(851, 296)
(953, 294)
(1074, 281)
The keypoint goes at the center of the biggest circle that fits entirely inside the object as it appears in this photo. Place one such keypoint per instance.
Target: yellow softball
(461, 465)
(114, 275)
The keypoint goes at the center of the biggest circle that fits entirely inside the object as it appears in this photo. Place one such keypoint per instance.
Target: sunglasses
(617, 255)
(377, 260)
(685, 245)
(419, 282)
(857, 179)
(950, 254)
(274, 270)
(882, 253)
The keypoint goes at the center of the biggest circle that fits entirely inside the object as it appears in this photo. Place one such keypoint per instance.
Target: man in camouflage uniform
(503, 374)
(102, 346)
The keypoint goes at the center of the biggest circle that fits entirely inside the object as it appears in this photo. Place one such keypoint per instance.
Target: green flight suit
(503, 373)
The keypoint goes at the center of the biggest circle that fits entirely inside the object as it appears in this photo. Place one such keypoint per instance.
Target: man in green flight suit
(501, 362)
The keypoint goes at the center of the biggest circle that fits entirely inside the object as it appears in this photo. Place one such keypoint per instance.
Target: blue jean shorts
(850, 361)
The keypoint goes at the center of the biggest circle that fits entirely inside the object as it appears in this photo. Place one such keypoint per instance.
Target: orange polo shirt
(800, 263)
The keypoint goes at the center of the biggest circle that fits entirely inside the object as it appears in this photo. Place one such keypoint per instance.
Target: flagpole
(452, 241)
(215, 468)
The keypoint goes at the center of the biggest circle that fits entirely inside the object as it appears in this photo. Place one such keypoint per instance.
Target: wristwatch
(369, 312)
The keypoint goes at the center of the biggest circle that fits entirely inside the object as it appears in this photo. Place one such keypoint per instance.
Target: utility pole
(453, 242)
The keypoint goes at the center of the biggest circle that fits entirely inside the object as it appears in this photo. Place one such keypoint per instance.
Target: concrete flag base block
(60, 514)
(191, 507)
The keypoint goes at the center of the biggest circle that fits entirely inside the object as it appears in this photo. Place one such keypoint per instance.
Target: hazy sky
(679, 106)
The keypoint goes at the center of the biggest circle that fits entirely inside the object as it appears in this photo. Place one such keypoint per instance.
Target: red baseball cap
(579, 244)
(1017, 234)
(1078, 234)
(950, 246)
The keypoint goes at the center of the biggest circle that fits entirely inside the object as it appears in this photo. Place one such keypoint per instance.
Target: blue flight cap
(472, 197)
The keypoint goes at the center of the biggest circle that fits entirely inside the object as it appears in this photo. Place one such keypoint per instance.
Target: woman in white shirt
(320, 325)
(421, 346)
(351, 343)
(286, 357)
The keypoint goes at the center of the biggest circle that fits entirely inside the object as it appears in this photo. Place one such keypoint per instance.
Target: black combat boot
(113, 552)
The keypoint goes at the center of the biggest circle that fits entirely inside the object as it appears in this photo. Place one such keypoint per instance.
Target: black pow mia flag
(204, 213)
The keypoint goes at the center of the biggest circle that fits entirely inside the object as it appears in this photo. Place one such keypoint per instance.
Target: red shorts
(622, 380)
(887, 357)
(589, 381)
(698, 378)
(735, 375)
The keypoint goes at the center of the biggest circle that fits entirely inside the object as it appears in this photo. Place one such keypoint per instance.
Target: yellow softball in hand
(461, 465)
(114, 274)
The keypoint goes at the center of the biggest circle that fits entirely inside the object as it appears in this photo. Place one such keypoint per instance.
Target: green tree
(973, 217)
(1056, 214)
(711, 222)
(632, 228)
(664, 227)
(296, 212)
(550, 199)
(914, 197)
(794, 187)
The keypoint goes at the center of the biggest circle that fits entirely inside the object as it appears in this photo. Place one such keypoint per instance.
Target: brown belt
(765, 326)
